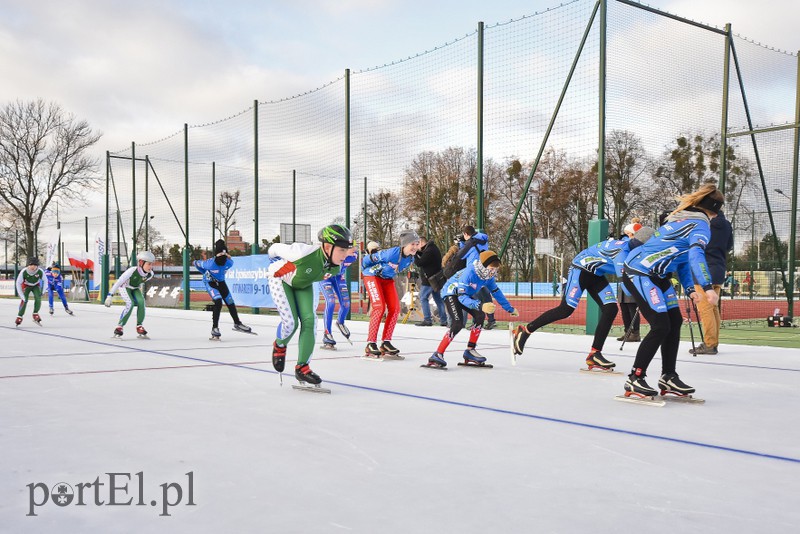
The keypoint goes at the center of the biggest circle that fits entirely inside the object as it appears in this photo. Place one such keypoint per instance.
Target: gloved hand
(108, 301)
(514, 313)
(285, 269)
(488, 307)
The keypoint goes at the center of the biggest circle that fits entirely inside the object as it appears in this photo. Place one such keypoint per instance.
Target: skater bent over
(587, 273)
(460, 295)
(130, 285)
(293, 270)
(379, 271)
(55, 282)
(213, 271)
(30, 282)
(631, 322)
(334, 289)
(678, 246)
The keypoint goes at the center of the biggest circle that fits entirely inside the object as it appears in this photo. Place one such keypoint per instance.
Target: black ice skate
(18, 321)
(635, 386)
(118, 331)
(51, 311)
(141, 332)
(436, 361)
(671, 384)
(390, 352)
(308, 380)
(68, 311)
(343, 329)
(521, 335)
(473, 359)
(215, 335)
(328, 342)
(596, 362)
(278, 357)
(372, 352)
(37, 319)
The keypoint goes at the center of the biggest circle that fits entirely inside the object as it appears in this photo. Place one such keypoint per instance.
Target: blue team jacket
(209, 269)
(466, 282)
(386, 263)
(676, 247)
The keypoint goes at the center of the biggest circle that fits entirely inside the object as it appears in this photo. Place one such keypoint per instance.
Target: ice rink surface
(538, 447)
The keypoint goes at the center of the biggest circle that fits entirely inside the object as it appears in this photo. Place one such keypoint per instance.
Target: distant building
(234, 241)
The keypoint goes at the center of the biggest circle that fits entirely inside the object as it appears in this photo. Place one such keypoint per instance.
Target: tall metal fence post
(793, 228)
(254, 245)
(598, 228)
(187, 296)
(479, 215)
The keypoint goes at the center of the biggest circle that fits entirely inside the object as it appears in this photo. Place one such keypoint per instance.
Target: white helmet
(146, 255)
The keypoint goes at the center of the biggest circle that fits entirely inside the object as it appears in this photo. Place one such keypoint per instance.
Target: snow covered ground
(395, 448)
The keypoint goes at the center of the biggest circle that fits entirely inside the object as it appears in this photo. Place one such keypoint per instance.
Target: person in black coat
(717, 249)
(429, 262)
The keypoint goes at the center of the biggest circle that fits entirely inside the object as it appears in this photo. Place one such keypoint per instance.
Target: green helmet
(337, 235)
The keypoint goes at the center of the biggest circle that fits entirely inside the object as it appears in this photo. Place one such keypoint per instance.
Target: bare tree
(625, 172)
(226, 212)
(383, 214)
(43, 157)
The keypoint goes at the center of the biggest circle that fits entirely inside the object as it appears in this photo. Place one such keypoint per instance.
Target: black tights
(217, 309)
(608, 312)
(665, 330)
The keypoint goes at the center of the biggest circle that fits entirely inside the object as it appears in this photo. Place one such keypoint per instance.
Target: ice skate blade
(483, 365)
(688, 399)
(437, 367)
(647, 401)
(511, 327)
(243, 332)
(395, 357)
(311, 388)
(214, 338)
(328, 347)
(372, 358)
(142, 336)
(597, 371)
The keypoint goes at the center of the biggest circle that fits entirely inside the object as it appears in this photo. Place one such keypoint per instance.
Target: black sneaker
(423, 323)
(303, 373)
(278, 357)
(490, 325)
(388, 348)
(596, 359)
(637, 387)
(670, 383)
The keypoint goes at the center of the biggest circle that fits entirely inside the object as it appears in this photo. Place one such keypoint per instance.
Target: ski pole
(630, 328)
(699, 325)
(691, 331)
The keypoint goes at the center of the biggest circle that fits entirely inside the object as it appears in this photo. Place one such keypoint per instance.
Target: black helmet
(33, 261)
(337, 235)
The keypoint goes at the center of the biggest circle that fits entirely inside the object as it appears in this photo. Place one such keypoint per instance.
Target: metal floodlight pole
(479, 215)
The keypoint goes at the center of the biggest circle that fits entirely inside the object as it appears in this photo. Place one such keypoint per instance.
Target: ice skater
(678, 246)
(587, 273)
(30, 282)
(130, 285)
(213, 271)
(334, 289)
(460, 295)
(294, 269)
(55, 283)
(379, 270)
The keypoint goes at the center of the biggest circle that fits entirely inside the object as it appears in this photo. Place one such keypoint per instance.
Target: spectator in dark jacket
(429, 262)
(716, 256)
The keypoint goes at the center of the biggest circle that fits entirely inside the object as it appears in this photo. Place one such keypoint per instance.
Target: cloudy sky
(137, 71)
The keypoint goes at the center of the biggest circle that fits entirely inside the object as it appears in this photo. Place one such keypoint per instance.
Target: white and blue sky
(139, 70)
